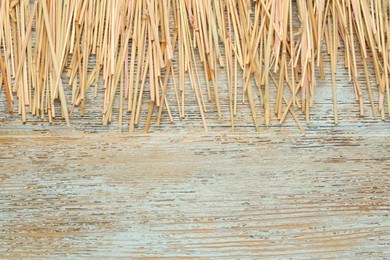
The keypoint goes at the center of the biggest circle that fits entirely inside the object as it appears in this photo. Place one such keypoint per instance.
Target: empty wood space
(272, 194)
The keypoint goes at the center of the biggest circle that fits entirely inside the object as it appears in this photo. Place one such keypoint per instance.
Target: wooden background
(275, 195)
(92, 191)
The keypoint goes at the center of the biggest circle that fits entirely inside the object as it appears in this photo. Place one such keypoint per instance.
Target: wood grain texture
(89, 191)
(274, 194)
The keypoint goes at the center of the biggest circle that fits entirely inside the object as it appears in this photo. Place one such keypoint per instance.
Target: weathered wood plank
(178, 192)
(324, 194)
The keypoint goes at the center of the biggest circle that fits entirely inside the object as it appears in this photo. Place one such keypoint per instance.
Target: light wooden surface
(89, 191)
(273, 194)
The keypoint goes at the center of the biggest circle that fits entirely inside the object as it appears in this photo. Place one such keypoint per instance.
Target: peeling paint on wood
(323, 194)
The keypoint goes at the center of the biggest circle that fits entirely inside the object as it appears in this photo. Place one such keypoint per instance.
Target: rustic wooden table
(273, 194)
(90, 191)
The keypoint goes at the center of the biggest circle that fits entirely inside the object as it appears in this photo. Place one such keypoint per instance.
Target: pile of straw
(139, 47)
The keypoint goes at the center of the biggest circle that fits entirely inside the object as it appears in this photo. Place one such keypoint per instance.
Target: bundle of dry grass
(138, 45)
